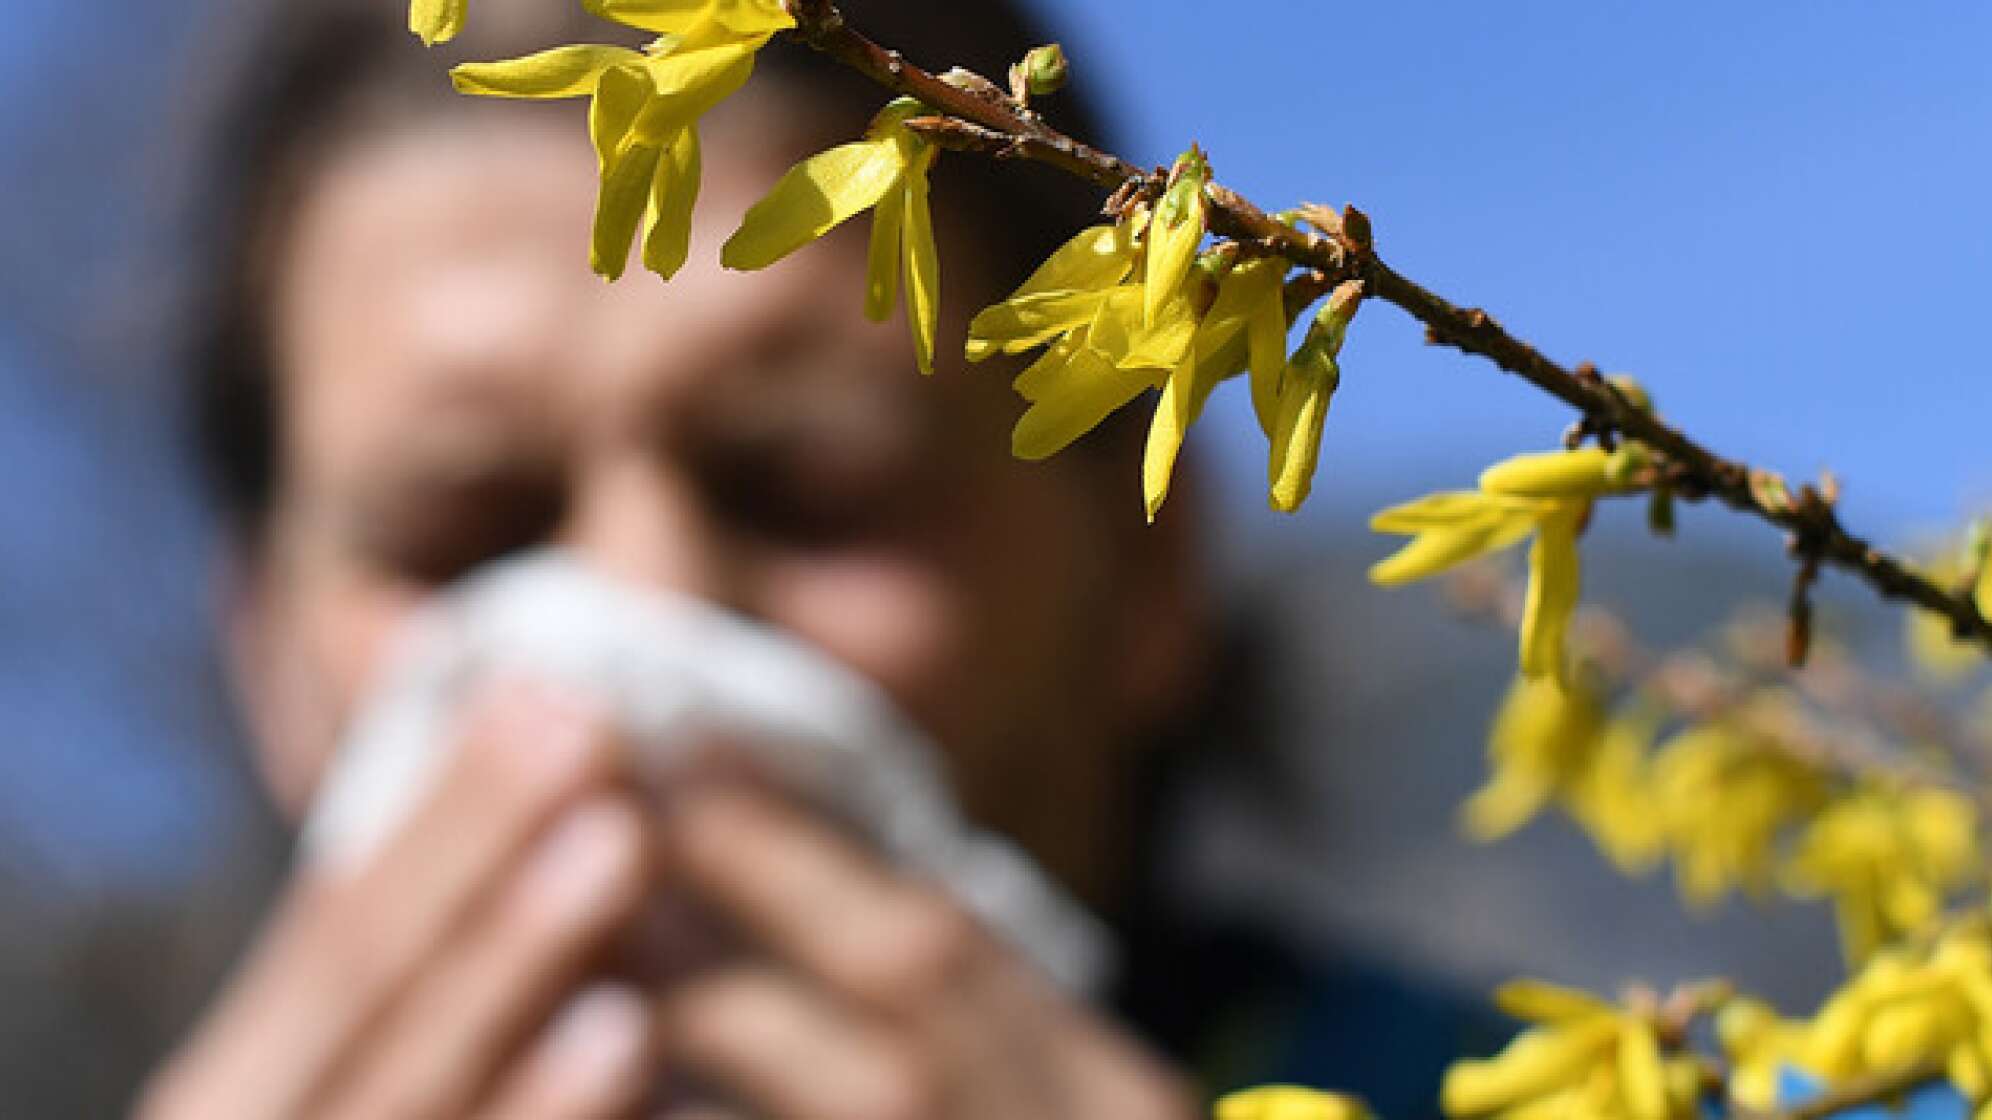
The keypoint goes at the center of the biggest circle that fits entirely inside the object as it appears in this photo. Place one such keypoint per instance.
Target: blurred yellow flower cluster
(1913, 1007)
(1734, 805)
(1582, 1057)
(1889, 857)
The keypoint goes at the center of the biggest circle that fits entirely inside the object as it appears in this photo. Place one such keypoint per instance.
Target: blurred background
(1777, 222)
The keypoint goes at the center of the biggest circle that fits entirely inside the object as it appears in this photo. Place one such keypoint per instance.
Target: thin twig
(1872, 1089)
(998, 126)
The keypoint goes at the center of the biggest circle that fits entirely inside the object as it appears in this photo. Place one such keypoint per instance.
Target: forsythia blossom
(645, 111)
(1180, 221)
(1888, 857)
(1547, 495)
(887, 171)
(1245, 326)
(1910, 1006)
(1583, 1057)
(1133, 306)
(1299, 404)
(1552, 743)
(1725, 796)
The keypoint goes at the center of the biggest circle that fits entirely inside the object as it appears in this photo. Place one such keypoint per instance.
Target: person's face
(456, 385)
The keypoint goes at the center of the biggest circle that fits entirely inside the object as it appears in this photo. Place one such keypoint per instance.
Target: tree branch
(994, 124)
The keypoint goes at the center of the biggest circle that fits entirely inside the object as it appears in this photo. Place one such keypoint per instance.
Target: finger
(593, 1062)
(818, 902)
(783, 1051)
(444, 1040)
(344, 943)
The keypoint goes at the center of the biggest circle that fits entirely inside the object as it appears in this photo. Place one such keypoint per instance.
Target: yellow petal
(1178, 408)
(674, 191)
(1258, 284)
(1172, 249)
(1097, 257)
(1437, 550)
(1642, 1079)
(620, 207)
(1538, 1061)
(560, 72)
(1542, 1002)
(923, 265)
(1041, 377)
(1551, 474)
(813, 198)
(1510, 799)
(619, 97)
(1302, 413)
(1554, 588)
(687, 83)
(676, 17)
(1018, 324)
(1444, 510)
(1118, 330)
(1085, 391)
(1289, 1102)
(885, 255)
(436, 21)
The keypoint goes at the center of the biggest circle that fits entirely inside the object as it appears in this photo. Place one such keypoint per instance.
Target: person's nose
(633, 519)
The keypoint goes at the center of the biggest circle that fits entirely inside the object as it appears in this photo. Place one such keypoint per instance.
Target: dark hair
(312, 72)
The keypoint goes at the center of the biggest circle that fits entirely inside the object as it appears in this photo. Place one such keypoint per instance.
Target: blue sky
(1773, 214)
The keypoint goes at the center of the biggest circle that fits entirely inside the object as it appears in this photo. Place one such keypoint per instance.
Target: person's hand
(440, 979)
(876, 998)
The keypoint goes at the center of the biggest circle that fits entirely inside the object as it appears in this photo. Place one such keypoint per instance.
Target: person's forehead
(443, 270)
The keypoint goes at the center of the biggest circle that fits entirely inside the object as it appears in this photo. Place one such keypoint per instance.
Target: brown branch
(994, 124)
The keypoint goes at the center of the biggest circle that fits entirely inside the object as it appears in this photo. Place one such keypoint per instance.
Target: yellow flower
(1180, 221)
(1723, 799)
(1583, 1057)
(645, 111)
(1547, 494)
(1301, 399)
(1759, 1045)
(1907, 1007)
(1888, 858)
(1612, 798)
(1100, 353)
(1289, 1102)
(1543, 742)
(436, 21)
(1245, 326)
(887, 170)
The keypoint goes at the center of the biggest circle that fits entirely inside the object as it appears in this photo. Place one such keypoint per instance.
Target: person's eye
(439, 527)
(801, 501)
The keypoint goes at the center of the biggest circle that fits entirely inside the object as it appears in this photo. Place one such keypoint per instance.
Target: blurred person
(405, 371)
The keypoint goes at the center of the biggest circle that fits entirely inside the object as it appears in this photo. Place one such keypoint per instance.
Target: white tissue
(676, 673)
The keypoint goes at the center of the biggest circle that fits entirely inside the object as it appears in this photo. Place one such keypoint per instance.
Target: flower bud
(1045, 70)
(1770, 491)
(1184, 193)
(1660, 512)
(1331, 323)
(1634, 393)
(1582, 473)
